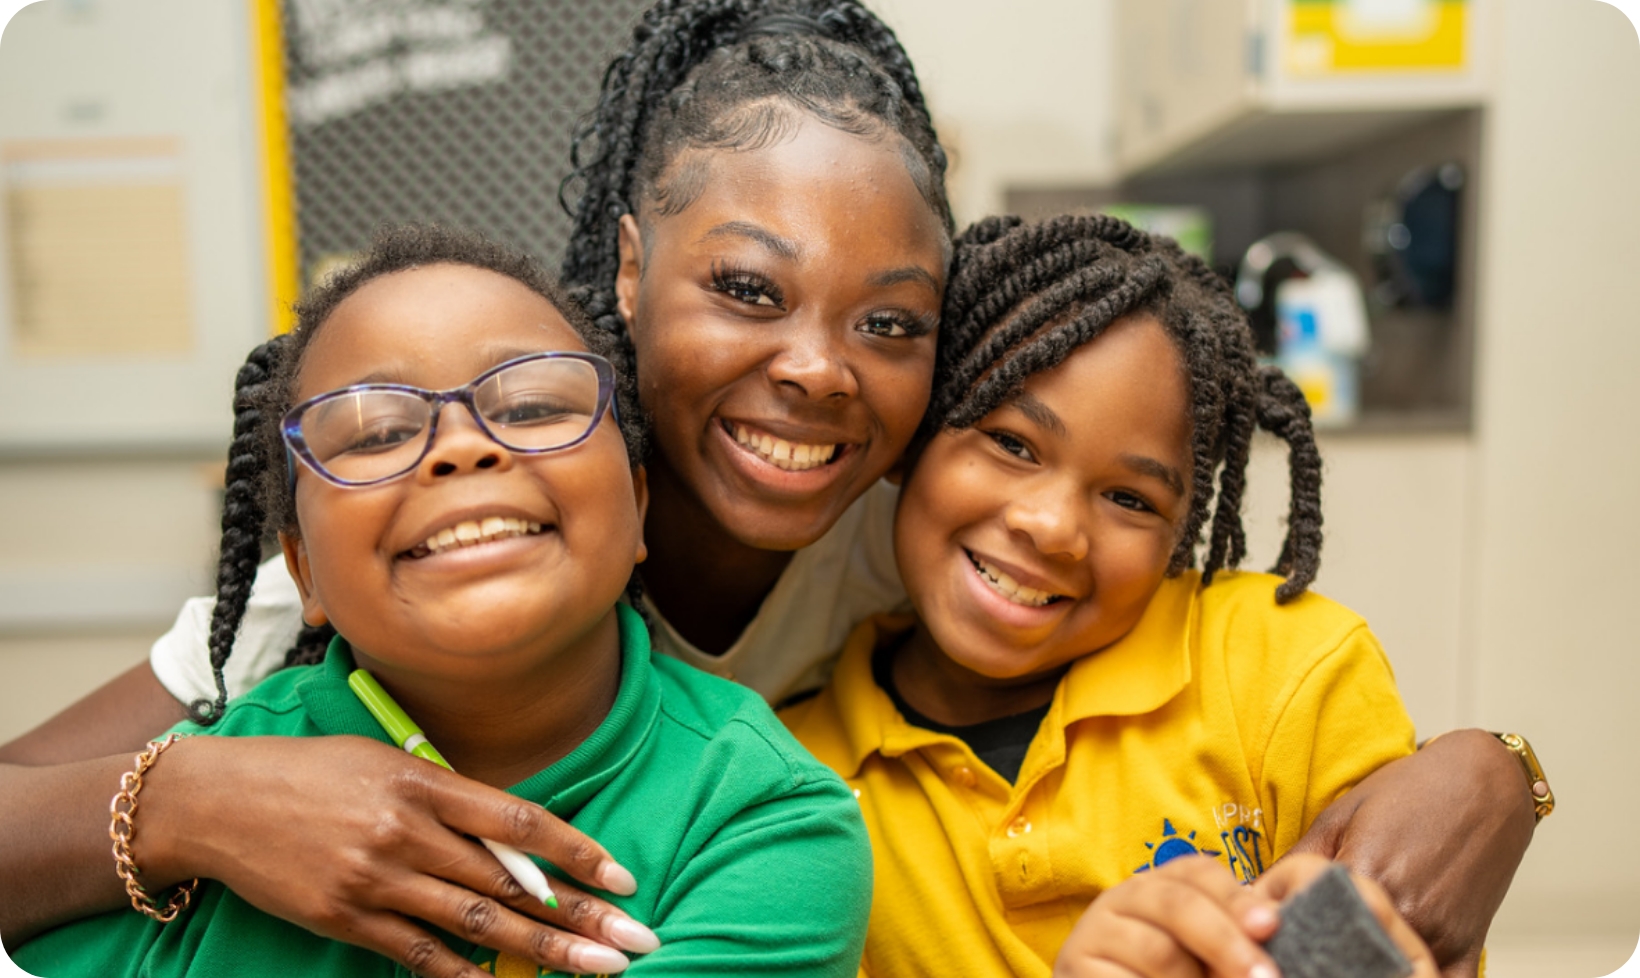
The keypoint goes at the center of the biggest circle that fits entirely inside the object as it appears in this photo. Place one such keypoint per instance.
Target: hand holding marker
(407, 735)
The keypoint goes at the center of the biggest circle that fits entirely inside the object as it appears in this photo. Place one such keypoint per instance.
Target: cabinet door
(1184, 67)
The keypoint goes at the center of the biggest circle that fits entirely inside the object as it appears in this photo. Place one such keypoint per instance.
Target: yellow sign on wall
(1333, 37)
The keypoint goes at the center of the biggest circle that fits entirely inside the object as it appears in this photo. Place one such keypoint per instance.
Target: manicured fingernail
(595, 959)
(632, 935)
(615, 878)
(1259, 918)
(1262, 970)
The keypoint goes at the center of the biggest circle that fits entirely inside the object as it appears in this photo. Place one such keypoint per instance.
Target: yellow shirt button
(964, 776)
(1018, 827)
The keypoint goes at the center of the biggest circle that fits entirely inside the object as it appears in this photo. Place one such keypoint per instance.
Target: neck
(942, 690)
(707, 584)
(501, 729)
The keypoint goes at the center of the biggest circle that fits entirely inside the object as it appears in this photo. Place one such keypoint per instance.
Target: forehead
(1126, 386)
(832, 192)
(433, 326)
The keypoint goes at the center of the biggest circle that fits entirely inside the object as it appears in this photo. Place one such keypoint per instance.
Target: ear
(640, 491)
(628, 275)
(296, 561)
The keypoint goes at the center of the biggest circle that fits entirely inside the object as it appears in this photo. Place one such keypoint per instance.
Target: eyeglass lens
(534, 406)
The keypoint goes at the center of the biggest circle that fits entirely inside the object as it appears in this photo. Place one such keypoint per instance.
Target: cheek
(897, 391)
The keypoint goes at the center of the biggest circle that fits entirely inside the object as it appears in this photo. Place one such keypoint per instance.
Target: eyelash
(735, 282)
(908, 325)
(1009, 442)
(1138, 503)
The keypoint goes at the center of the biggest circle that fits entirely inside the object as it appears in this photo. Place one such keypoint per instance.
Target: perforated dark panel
(457, 111)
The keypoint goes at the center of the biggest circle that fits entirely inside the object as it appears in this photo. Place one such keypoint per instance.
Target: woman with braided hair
(761, 227)
(1074, 698)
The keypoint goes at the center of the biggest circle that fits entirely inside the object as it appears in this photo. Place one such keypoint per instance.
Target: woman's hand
(356, 841)
(1297, 871)
(1443, 831)
(1189, 918)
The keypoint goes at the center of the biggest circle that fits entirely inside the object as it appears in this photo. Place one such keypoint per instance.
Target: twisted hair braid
(260, 496)
(1024, 297)
(726, 74)
(243, 519)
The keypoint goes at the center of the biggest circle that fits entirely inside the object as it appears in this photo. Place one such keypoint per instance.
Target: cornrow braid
(260, 494)
(726, 74)
(243, 519)
(1024, 297)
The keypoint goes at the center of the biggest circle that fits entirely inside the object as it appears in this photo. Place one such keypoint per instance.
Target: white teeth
(782, 454)
(470, 532)
(1009, 588)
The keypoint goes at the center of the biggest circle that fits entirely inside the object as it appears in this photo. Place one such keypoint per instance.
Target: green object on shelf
(1191, 227)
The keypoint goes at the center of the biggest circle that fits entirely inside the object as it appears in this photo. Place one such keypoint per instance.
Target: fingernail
(599, 960)
(632, 935)
(1263, 971)
(615, 878)
(1259, 918)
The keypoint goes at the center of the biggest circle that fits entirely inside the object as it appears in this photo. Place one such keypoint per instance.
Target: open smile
(1003, 584)
(780, 453)
(472, 533)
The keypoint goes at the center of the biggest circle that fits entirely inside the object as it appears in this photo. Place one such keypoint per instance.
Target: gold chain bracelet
(122, 830)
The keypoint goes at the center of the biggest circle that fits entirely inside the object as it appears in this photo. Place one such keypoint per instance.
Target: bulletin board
(455, 111)
(131, 244)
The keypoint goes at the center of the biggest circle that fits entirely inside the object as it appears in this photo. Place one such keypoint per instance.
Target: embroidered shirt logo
(1171, 846)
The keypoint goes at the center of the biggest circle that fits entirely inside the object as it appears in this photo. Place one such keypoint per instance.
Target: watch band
(1543, 800)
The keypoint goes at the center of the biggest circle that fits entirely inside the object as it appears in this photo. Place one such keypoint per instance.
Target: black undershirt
(1000, 744)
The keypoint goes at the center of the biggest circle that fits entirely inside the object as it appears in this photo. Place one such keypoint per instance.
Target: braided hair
(1024, 297)
(727, 74)
(260, 497)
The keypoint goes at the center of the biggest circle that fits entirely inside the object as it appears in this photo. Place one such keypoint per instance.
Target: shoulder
(731, 726)
(1239, 614)
(273, 708)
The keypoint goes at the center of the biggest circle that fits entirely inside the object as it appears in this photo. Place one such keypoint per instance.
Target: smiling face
(784, 328)
(1041, 533)
(478, 558)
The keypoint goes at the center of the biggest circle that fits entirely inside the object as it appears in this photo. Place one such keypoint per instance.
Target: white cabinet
(1207, 83)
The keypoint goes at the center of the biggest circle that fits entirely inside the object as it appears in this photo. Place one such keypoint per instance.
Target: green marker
(407, 735)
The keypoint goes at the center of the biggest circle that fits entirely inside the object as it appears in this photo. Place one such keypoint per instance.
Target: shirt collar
(854, 718)
(567, 784)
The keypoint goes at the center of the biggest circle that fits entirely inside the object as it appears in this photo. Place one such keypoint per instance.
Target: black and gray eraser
(1327, 931)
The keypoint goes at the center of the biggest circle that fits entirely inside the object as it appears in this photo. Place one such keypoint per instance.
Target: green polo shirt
(751, 857)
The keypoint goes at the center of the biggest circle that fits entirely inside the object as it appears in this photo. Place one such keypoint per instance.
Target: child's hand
(1293, 872)
(363, 843)
(1188, 919)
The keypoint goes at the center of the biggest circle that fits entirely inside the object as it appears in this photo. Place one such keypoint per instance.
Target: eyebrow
(496, 355)
(769, 241)
(1044, 417)
(909, 273)
(1040, 414)
(1145, 465)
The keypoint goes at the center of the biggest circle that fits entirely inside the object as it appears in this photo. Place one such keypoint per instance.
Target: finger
(488, 923)
(470, 866)
(1110, 942)
(423, 954)
(1290, 874)
(1256, 912)
(1405, 938)
(490, 813)
(1179, 914)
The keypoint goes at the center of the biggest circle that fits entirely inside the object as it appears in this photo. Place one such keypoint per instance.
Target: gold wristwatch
(1543, 800)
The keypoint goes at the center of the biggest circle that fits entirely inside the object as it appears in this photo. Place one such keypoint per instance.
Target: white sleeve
(181, 657)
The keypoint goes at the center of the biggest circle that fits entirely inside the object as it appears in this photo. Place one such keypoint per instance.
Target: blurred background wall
(1489, 537)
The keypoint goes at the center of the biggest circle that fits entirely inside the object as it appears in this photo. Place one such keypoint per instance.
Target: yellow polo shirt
(1222, 724)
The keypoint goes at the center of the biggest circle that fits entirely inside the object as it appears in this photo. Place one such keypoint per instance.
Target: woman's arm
(1443, 831)
(344, 836)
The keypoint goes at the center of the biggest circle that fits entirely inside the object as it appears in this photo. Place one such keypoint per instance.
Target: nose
(1054, 518)
(813, 361)
(460, 446)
